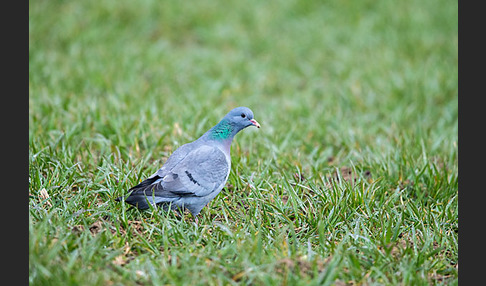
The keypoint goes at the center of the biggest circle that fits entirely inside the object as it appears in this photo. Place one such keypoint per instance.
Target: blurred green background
(370, 68)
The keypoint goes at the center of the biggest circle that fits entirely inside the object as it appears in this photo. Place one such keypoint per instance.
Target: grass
(352, 179)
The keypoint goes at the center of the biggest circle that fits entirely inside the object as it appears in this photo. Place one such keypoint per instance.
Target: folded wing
(198, 173)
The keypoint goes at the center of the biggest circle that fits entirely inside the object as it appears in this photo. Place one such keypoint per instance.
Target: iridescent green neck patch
(222, 130)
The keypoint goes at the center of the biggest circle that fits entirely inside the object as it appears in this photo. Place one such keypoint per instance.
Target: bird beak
(254, 122)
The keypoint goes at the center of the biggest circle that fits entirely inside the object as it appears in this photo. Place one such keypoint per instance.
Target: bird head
(242, 117)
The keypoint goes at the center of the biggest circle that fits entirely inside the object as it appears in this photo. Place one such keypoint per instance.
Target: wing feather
(187, 173)
(200, 173)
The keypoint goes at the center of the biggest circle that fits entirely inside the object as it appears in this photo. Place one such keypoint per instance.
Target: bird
(196, 172)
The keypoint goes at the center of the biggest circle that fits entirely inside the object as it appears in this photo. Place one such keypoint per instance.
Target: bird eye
(243, 115)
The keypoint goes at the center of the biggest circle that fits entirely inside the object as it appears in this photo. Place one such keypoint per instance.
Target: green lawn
(352, 179)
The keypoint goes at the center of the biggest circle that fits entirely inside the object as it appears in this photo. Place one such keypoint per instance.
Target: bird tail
(145, 193)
